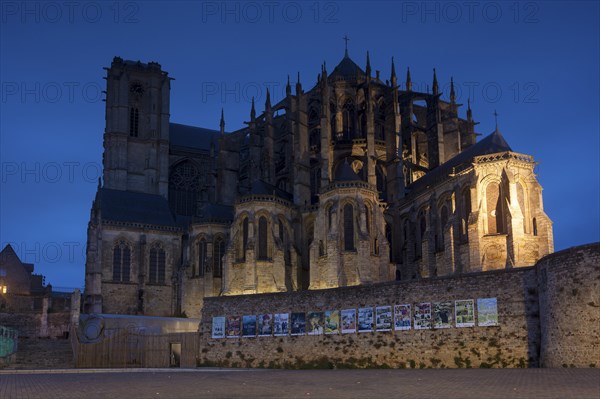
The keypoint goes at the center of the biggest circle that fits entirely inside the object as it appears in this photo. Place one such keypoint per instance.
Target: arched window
(348, 227)
(219, 252)
(535, 228)
(184, 188)
(134, 122)
(465, 212)
(202, 257)
(368, 218)
(443, 222)
(262, 238)
(348, 120)
(381, 182)
(380, 122)
(329, 218)
(121, 261)
(422, 229)
(315, 182)
(495, 208)
(156, 273)
(281, 230)
(244, 238)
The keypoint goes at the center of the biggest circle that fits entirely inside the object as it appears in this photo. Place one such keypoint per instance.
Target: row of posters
(419, 316)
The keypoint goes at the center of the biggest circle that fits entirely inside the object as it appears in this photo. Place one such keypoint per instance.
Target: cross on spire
(496, 118)
(346, 40)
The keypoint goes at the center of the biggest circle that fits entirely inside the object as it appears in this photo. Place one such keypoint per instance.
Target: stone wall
(569, 283)
(513, 343)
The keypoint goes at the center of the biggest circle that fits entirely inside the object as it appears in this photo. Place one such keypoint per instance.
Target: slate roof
(193, 137)
(491, 144)
(346, 70)
(345, 173)
(132, 207)
(216, 212)
(260, 187)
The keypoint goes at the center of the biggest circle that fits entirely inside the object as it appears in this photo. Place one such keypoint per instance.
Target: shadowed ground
(281, 384)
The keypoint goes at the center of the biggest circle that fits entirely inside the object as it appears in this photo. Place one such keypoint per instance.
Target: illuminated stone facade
(352, 182)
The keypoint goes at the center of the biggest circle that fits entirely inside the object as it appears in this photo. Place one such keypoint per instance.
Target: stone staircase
(40, 353)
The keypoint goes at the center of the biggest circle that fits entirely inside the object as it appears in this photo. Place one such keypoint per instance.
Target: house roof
(346, 70)
(345, 173)
(260, 187)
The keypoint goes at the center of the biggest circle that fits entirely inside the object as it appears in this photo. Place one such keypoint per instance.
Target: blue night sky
(536, 63)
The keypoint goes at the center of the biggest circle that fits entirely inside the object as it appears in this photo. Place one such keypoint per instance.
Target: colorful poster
(249, 326)
(298, 322)
(383, 318)
(487, 312)
(332, 322)
(315, 323)
(218, 327)
(422, 316)
(265, 325)
(464, 310)
(233, 329)
(281, 324)
(365, 319)
(348, 321)
(442, 314)
(402, 317)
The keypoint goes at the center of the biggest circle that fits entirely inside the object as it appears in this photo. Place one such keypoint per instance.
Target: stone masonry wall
(513, 343)
(570, 307)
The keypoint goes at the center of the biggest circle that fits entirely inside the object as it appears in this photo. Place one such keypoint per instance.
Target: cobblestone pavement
(281, 384)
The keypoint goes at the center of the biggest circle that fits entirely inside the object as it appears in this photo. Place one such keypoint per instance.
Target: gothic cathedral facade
(352, 182)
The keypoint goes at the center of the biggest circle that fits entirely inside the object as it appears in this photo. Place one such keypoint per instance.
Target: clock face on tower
(137, 89)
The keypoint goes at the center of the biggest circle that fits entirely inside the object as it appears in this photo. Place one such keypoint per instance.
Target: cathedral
(354, 181)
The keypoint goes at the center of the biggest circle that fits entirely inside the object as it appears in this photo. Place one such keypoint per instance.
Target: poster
(365, 319)
(265, 325)
(332, 322)
(422, 316)
(402, 317)
(464, 313)
(249, 326)
(281, 325)
(487, 312)
(442, 314)
(233, 329)
(315, 323)
(383, 318)
(218, 327)
(348, 321)
(298, 323)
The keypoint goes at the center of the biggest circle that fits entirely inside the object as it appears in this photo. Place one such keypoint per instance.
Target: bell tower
(136, 137)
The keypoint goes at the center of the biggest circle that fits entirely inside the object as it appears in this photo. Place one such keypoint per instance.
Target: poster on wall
(422, 316)
(332, 322)
(265, 325)
(365, 319)
(383, 318)
(315, 323)
(249, 326)
(442, 314)
(281, 324)
(348, 321)
(298, 323)
(487, 312)
(233, 326)
(402, 317)
(218, 327)
(464, 310)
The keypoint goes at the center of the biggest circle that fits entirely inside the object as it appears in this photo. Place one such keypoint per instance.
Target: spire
(298, 85)
(435, 88)
(346, 46)
(452, 92)
(268, 101)
(288, 88)
(368, 68)
(252, 111)
(393, 76)
(469, 112)
(408, 80)
(222, 123)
